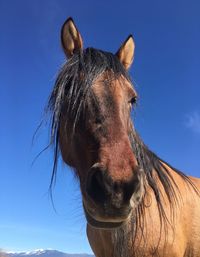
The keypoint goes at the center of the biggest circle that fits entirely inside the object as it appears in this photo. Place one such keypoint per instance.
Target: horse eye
(133, 100)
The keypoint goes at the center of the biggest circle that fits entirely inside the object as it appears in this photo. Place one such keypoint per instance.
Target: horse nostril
(95, 185)
(131, 188)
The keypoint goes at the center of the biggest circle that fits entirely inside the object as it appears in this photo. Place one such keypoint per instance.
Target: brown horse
(135, 203)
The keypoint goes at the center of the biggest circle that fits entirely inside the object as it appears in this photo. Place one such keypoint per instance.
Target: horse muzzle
(108, 204)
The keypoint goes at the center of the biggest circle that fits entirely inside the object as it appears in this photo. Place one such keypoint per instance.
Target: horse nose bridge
(120, 160)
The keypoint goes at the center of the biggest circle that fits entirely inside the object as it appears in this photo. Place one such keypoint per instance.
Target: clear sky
(167, 76)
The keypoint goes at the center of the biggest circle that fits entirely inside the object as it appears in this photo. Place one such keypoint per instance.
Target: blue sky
(167, 78)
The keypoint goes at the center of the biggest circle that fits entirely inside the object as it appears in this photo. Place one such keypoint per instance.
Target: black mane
(73, 84)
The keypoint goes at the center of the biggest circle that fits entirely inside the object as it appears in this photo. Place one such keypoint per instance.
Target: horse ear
(70, 38)
(126, 52)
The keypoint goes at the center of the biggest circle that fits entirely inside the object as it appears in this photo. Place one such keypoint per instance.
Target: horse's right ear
(70, 38)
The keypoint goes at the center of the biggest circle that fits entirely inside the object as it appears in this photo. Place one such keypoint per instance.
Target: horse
(135, 203)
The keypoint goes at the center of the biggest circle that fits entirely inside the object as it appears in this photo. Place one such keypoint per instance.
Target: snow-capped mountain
(42, 253)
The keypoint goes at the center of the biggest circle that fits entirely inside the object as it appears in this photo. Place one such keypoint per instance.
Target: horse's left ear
(126, 52)
(70, 38)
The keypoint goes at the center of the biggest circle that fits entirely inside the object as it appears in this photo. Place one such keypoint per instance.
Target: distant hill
(43, 253)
